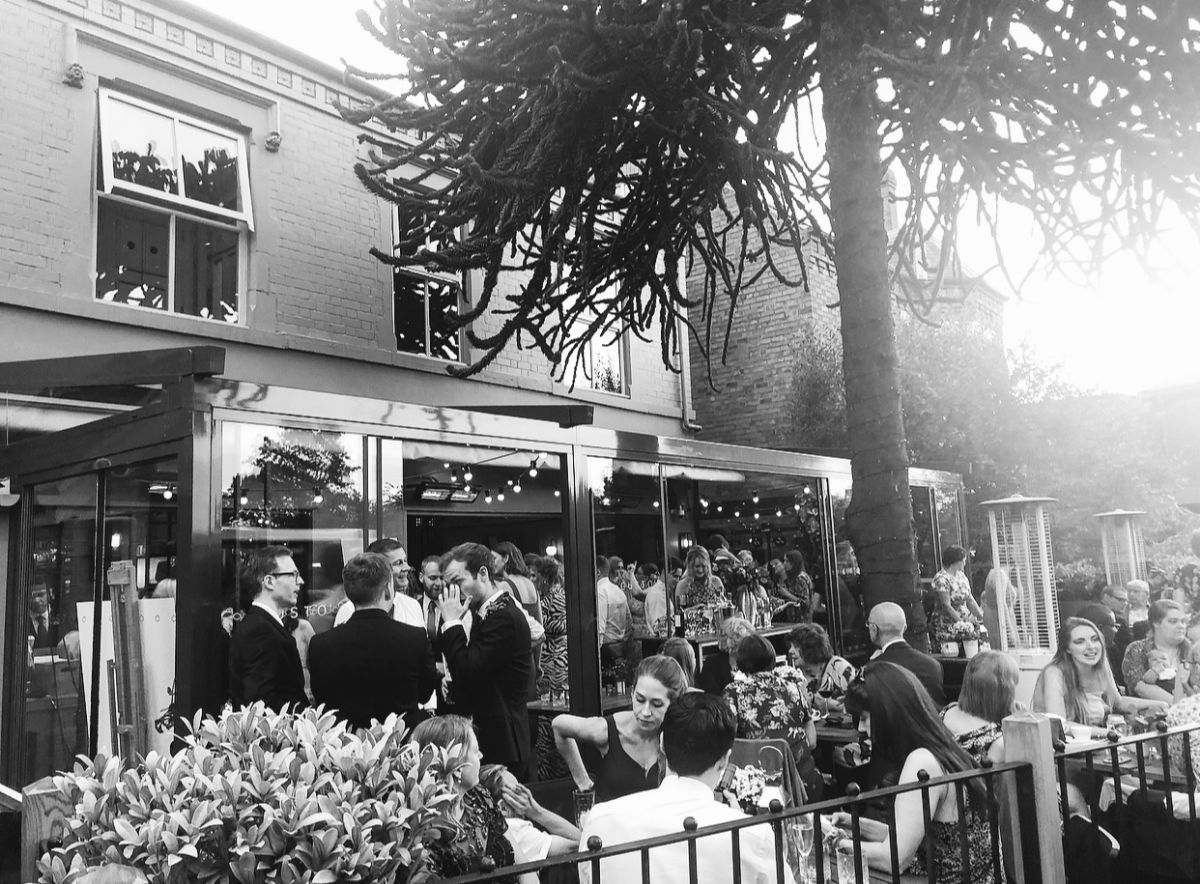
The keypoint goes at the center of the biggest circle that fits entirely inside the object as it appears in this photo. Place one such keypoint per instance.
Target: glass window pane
(443, 303)
(855, 642)
(949, 525)
(300, 488)
(132, 255)
(607, 364)
(142, 146)
(210, 167)
(409, 304)
(206, 271)
(58, 609)
(926, 548)
(141, 528)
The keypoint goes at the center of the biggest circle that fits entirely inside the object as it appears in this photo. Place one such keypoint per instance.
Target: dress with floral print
(480, 832)
(771, 705)
(959, 589)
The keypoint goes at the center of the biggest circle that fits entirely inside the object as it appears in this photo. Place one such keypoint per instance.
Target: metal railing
(1008, 808)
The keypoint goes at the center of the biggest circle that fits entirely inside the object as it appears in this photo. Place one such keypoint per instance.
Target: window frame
(109, 183)
(425, 276)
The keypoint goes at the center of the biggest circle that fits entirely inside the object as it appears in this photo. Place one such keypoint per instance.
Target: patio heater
(1020, 529)
(1124, 548)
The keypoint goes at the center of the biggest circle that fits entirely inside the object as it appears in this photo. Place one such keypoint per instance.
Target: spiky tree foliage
(599, 147)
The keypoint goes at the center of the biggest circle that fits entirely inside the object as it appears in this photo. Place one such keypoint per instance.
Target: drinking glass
(584, 802)
(800, 842)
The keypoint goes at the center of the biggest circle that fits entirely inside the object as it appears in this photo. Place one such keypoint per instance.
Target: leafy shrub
(258, 796)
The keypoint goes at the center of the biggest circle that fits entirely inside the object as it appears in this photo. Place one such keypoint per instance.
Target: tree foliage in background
(590, 145)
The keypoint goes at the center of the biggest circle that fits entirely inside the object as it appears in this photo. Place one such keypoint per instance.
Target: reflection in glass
(855, 642)
(948, 516)
(443, 304)
(210, 167)
(132, 255)
(60, 569)
(142, 146)
(300, 488)
(206, 270)
(923, 536)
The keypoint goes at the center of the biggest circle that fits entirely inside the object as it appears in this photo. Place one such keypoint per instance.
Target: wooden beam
(111, 369)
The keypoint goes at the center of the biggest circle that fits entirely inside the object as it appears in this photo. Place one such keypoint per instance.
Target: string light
(656, 504)
(468, 475)
(500, 496)
(318, 497)
(557, 493)
(487, 495)
(754, 497)
(168, 493)
(517, 487)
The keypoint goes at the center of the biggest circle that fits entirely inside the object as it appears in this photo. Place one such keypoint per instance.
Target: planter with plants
(257, 796)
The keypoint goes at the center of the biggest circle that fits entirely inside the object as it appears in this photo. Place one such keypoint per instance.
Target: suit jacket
(371, 666)
(264, 663)
(491, 675)
(49, 639)
(927, 670)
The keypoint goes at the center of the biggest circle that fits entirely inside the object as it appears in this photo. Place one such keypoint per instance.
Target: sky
(1130, 329)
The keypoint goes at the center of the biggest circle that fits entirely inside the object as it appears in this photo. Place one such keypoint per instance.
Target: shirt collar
(491, 601)
(889, 644)
(685, 786)
(274, 615)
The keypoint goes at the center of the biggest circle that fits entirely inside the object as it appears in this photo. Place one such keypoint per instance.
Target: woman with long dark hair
(1077, 684)
(905, 730)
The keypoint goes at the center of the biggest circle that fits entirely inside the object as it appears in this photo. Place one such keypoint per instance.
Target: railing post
(1033, 823)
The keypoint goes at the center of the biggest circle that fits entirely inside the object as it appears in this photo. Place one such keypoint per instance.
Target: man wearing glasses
(264, 662)
(405, 608)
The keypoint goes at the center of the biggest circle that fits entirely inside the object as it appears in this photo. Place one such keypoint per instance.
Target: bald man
(886, 625)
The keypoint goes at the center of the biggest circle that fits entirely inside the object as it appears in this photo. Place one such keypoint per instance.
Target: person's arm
(973, 607)
(601, 612)
(943, 596)
(493, 644)
(908, 815)
(1139, 688)
(1134, 665)
(427, 676)
(568, 731)
(1054, 693)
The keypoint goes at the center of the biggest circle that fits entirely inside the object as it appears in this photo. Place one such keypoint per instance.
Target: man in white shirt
(697, 736)
(405, 609)
(656, 599)
(612, 608)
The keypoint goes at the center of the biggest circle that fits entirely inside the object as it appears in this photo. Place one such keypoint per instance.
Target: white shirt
(405, 609)
(656, 603)
(612, 612)
(662, 811)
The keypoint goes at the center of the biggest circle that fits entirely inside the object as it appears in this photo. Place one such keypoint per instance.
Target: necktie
(431, 619)
(43, 632)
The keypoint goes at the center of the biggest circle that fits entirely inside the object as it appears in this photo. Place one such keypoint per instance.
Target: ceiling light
(468, 475)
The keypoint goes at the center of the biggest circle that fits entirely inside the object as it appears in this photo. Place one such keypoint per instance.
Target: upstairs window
(423, 302)
(173, 211)
(604, 363)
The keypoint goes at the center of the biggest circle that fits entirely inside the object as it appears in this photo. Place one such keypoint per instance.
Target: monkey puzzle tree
(599, 147)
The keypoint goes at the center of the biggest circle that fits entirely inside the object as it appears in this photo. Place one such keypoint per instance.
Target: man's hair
(366, 577)
(257, 564)
(473, 556)
(698, 729)
(602, 565)
(384, 545)
(425, 561)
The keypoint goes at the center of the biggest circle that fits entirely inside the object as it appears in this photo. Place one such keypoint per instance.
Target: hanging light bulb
(244, 498)
(796, 506)
(607, 501)
(754, 497)
(656, 504)
(445, 465)
(551, 549)
(487, 495)
(720, 508)
(168, 493)
(807, 489)
(517, 487)
(500, 496)
(454, 477)
(467, 488)
(704, 502)
(557, 493)
(510, 481)
(778, 513)
(533, 468)
(737, 514)
(468, 475)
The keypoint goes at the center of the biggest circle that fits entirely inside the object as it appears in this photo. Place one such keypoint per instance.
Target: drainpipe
(685, 378)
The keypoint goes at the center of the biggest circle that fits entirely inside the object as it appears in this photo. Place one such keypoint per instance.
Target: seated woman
(1077, 684)
(718, 668)
(772, 704)
(477, 824)
(680, 650)
(627, 742)
(905, 729)
(988, 695)
(828, 674)
(1152, 665)
(534, 832)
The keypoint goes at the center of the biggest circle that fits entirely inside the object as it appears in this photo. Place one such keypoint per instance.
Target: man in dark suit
(371, 666)
(264, 663)
(42, 625)
(886, 625)
(491, 667)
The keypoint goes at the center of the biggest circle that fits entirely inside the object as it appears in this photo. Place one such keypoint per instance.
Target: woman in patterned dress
(989, 693)
(954, 599)
(905, 729)
(548, 577)
(699, 586)
(476, 834)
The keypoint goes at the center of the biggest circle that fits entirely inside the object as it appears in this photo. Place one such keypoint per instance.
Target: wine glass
(800, 838)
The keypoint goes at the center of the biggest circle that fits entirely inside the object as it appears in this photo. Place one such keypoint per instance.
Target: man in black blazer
(886, 625)
(491, 667)
(371, 665)
(264, 663)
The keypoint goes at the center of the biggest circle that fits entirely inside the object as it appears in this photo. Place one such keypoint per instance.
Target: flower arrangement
(257, 796)
(748, 785)
(964, 631)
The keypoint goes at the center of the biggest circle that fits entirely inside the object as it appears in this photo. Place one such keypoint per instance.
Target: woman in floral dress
(773, 703)
(988, 696)
(699, 586)
(954, 599)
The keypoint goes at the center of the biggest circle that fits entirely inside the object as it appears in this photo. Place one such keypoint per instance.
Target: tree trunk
(879, 521)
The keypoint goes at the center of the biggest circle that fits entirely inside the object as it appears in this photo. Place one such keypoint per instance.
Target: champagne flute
(800, 831)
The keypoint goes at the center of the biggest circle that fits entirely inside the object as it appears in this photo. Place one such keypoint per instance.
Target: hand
(520, 800)
(871, 830)
(449, 604)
